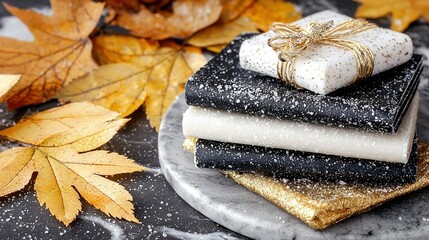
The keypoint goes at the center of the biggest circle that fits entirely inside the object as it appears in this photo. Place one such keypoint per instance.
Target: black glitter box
(297, 164)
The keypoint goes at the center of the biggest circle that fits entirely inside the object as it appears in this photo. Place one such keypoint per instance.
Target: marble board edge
(234, 207)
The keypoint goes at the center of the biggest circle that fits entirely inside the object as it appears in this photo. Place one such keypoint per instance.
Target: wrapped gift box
(324, 68)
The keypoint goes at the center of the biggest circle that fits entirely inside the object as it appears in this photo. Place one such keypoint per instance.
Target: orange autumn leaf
(35, 129)
(119, 87)
(59, 144)
(187, 17)
(60, 52)
(156, 3)
(141, 72)
(403, 12)
(265, 12)
(232, 9)
(7, 82)
(134, 5)
(216, 48)
(220, 34)
(16, 168)
(119, 49)
(168, 80)
(258, 16)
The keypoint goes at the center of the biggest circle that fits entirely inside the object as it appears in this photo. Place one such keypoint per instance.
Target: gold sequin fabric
(322, 204)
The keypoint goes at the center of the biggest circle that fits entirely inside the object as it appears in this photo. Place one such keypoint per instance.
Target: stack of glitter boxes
(243, 118)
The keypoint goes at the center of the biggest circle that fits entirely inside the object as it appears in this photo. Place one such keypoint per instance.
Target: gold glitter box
(322, 204)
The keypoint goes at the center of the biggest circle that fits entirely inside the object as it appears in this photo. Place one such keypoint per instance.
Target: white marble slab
(240, 210)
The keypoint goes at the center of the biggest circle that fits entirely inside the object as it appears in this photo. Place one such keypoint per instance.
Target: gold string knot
(291, 42)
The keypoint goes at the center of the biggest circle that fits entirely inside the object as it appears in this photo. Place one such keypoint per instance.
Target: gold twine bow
(292, 41)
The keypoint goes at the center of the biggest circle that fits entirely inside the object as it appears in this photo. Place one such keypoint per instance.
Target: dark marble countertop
(163, 213)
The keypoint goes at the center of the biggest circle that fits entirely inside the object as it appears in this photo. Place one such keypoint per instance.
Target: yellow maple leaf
(58, 144)
(257, 16)
(403, 12)
(218, 35)
(112, 49)
(37, 128)
(187, 17)
(216, 48)
(60, 52)
(265, 12)
(232, 9)
(136, 73)
(8, 81)
(132, 5)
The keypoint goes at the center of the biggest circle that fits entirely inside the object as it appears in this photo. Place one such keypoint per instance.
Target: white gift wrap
(269, 132)
(324, 69)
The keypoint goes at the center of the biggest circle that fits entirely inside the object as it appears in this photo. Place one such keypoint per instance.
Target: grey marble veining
(240, 210)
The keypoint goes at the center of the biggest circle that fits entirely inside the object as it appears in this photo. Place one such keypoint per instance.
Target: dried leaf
(8, 81)
(144, 23)
(216, 48)
(168, 79)
(96, 135)
(113, 49)
(60, 52)
(404, 12)
(152, 75)
(219, 34)
(156, 3)
(133, 5)
(258, 16)
(120, 87)
(265, 12)
(61, 169)
(37, 128)
(17, 163)
(187, 17)
(57, 139)
(232, 9)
